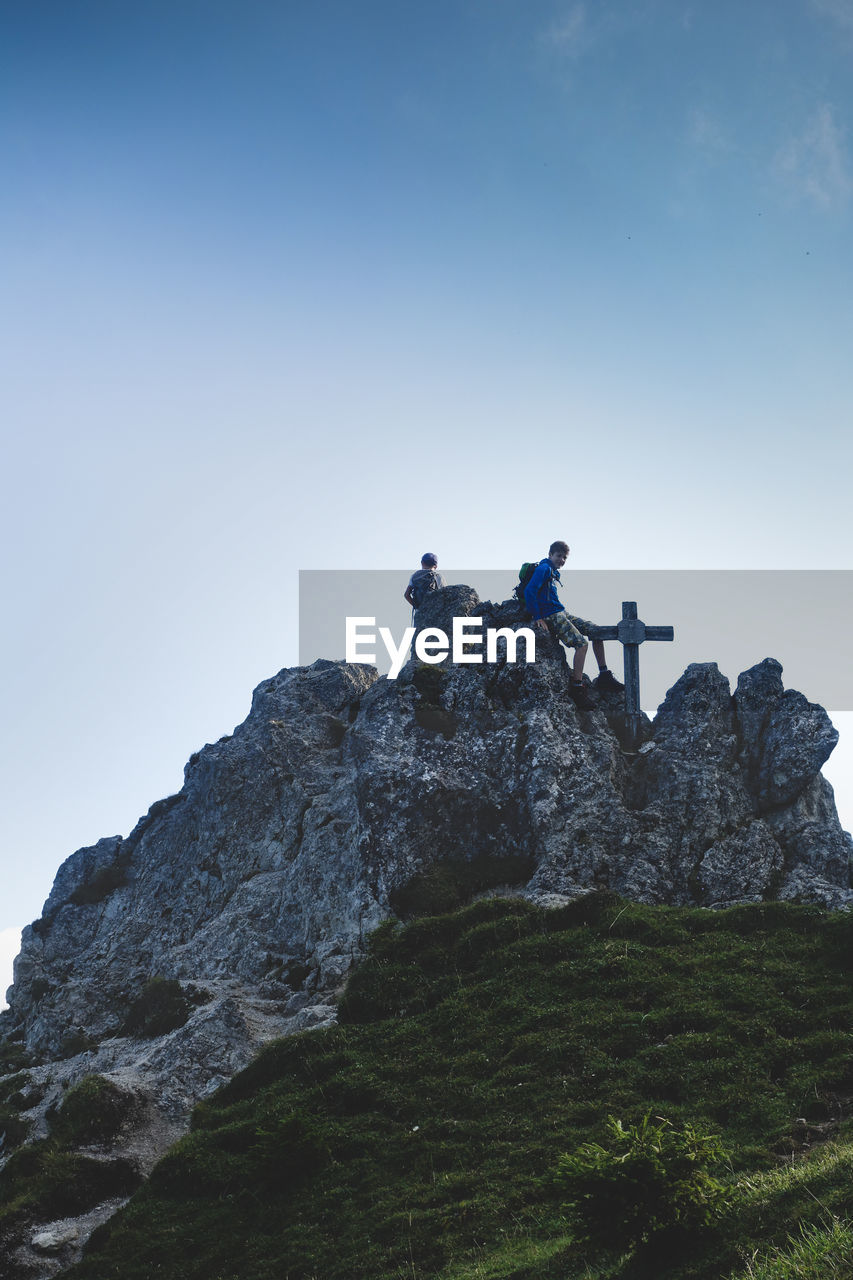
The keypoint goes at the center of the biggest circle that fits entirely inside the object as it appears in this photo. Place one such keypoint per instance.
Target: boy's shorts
(570, 630)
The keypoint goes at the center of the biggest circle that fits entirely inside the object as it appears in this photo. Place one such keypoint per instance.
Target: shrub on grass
(13, 1057)
(11, 1089)
(161, 1006)
(13, 1128)
(43, 1180)
(104, 882)
(75, 1043)
(650, 1181)
(449, 883)
(93, 1111)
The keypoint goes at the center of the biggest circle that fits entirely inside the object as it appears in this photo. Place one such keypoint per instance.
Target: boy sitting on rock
(543, 604)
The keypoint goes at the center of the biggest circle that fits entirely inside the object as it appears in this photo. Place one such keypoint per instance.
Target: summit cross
(631, 633)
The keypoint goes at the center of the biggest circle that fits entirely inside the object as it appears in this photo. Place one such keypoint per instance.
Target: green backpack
(525, 573)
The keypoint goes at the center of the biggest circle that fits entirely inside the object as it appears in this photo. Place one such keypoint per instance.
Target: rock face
(324, 812)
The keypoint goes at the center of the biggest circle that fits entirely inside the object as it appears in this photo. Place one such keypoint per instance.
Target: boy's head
(558, 553)
(429, 561)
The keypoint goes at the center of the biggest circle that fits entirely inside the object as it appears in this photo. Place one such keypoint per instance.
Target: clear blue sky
(293, 285)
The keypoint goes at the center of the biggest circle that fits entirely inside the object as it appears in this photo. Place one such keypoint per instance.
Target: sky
(313, 283)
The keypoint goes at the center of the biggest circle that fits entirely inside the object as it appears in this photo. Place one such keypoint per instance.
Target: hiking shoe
(607, 683)
(580, 697)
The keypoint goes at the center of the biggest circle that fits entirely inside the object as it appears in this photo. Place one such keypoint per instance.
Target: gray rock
(440, 607)
(744, 865)
(784, 739)
(758, 691)
(798, 739)
(813, 840)
(56, 1236)
(256, 885)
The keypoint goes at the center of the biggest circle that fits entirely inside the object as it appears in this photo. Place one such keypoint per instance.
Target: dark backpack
(525, 573)
(423, 582)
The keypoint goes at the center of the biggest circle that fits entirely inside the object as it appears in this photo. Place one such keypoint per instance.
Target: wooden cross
(631, 633)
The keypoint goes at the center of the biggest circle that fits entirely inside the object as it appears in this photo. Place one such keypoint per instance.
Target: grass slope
(418, 1137)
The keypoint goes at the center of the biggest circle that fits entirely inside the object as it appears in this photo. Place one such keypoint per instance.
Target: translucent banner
(735, 618)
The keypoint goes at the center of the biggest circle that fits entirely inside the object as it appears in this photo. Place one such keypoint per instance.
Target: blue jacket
(540, 594)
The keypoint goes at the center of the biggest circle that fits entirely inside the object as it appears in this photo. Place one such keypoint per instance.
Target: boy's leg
(584, 626)
(563, 627)
(606, 679)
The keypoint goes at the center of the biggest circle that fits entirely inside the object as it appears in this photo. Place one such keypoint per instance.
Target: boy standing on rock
(543, 604)
(424, 580)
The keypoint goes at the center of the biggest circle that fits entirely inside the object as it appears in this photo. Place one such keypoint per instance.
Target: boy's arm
(531, 591)
(407, 595)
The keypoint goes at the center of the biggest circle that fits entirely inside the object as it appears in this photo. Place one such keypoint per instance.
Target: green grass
(419, 1138)
(811, 1193)
(49, 1178)
(815, 1253)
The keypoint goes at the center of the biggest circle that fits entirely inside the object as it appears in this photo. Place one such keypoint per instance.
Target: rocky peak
(342, 796)
(290, 836)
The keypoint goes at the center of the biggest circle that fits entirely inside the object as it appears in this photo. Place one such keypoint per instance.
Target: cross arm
(612, 633)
